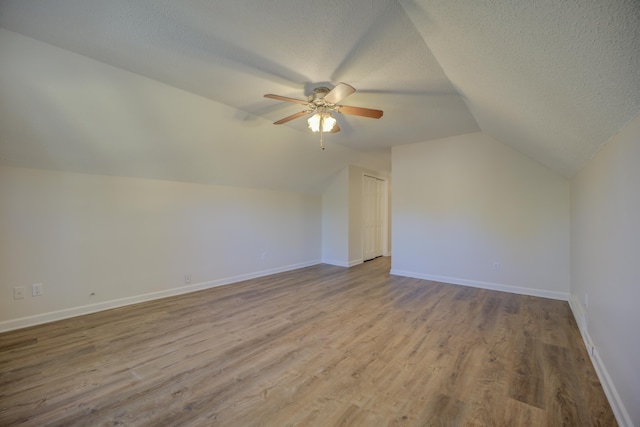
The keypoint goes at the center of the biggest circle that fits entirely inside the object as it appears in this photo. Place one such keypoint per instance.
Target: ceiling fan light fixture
(324, 120)
(320, 105)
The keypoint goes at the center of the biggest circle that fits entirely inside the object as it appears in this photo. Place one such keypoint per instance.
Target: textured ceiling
(554, 79)
(178, 82)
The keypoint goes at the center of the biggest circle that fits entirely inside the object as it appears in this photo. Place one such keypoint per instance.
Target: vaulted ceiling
(174, 90)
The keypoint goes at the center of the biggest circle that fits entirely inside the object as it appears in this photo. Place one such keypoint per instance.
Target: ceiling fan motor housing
(318, 95)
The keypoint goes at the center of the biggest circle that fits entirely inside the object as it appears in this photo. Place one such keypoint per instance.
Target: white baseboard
(564, 296)
(355, 262)
(335, 262)
(342, 263)
(619, 410)
(23, 322)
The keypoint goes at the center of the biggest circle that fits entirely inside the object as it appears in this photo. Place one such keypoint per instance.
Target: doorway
(374, 217)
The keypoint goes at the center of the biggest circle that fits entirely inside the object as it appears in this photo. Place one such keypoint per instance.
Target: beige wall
(335, 220)
(129, 239)
(342, 217)
(605, 267)
(464, 203)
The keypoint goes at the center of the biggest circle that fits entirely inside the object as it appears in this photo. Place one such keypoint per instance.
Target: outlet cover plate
(18, 292)
(36, 289)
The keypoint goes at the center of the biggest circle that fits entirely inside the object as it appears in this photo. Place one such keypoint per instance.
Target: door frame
(385, 213)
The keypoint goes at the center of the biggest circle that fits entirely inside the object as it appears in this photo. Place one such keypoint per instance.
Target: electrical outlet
(496, 266)
(36, 289)
(18, 292)
(187, 279)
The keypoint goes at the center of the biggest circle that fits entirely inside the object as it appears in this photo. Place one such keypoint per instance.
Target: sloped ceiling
(554, 79)
(173, 90)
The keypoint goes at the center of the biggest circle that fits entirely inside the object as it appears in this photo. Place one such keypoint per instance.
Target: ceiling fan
(321, 104)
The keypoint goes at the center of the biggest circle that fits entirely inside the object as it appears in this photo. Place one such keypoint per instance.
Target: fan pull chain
(321, 132)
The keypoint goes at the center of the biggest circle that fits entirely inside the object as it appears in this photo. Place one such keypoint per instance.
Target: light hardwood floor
(320, 346)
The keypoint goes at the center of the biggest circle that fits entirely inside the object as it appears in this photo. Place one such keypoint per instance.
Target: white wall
(462, 204)
(355, 215)
(130, 239)
(342, 217)
(335, 220)
(605, 265)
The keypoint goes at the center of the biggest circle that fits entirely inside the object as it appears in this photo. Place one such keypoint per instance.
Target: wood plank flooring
(320, 346)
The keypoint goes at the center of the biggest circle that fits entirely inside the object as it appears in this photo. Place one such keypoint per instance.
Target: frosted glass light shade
(328, 123)
(326, 120)
(314, 123)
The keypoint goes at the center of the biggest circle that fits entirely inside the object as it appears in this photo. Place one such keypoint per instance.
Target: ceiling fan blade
(335, 129)
(338, 93)
(359, 111)
(285, 98)
(292, 117)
